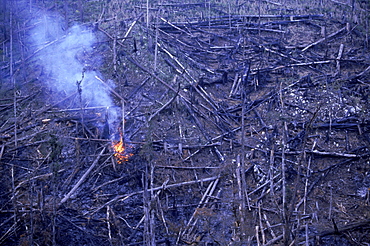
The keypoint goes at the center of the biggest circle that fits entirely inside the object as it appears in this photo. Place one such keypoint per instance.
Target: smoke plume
(65, 55)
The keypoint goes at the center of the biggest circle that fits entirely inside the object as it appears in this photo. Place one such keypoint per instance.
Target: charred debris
(234, 129)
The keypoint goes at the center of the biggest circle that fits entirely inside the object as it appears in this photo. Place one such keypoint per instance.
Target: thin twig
(130, 27)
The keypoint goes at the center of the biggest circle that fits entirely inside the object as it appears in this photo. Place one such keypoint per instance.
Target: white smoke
(64, 56)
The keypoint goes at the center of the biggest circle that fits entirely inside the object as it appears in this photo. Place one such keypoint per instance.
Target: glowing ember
(120, 151)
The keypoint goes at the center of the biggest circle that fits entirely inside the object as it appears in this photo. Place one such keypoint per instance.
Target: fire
(120, 151)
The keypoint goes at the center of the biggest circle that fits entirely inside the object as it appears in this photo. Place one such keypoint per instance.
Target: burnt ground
(243, 129)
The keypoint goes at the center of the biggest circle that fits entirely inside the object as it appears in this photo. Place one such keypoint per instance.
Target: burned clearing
(167, 123)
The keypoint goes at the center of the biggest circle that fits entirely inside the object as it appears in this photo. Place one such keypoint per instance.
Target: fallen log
(325, 38)
(255, 71)
(361, 225)
(82, 179)
(125, 196)
(165, 105)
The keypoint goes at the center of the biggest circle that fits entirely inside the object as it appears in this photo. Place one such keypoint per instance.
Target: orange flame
(120, 151)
